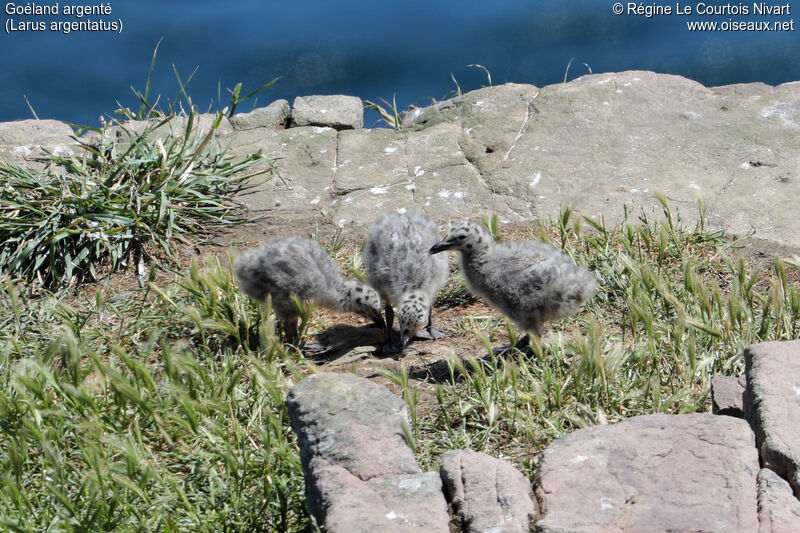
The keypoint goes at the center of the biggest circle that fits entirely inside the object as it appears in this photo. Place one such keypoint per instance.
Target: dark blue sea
(412, 50)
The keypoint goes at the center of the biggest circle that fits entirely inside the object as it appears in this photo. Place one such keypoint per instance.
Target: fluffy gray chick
(287, 266)
(405, 274)
(530, 282)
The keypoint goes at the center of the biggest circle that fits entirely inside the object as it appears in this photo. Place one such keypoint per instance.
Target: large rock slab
(596, 144)
(335, 111)
(304, 159)
(608, 139)
(778, 509)
(361, 475)
(487, 494)
(654, 473)
(374, 161)
(773, 381)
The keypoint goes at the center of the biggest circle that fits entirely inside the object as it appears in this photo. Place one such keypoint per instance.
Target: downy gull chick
(406, 276)
(530, 282)
(287, 266)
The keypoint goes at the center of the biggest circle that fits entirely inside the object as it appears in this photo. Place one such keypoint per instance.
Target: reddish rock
(361, 475)
(727, 395)
(487, 494)
(654, 473)
(773, 380)
(351, 422)
(778, 509)
(404, 503)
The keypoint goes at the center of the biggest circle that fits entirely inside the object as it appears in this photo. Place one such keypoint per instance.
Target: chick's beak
(440, 246)
(404, 338)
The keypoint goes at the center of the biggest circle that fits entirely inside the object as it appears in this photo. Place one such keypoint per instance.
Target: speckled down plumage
(400, 268)
(530, 282)
(286, 266)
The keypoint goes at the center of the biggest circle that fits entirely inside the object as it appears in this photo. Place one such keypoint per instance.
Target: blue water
(369, 49)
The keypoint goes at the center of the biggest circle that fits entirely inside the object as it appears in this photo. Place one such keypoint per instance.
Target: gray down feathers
(397, 259)
(295, 265)
(530, 282)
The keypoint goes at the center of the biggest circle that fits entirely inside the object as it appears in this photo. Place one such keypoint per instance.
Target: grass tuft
(124, 200)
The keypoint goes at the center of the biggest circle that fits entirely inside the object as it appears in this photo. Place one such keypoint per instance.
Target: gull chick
(530, 282)
(406, 276)
(296, 266)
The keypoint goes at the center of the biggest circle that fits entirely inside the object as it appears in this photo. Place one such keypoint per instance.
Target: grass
(161, 408)
(675, 307)
(123, 200)
(389, 114)
(129, 195)
(157, 410)
(151, 108)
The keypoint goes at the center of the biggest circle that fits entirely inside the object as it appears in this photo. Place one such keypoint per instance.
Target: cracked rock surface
(773, 382)
(594, 144)
(361, 476)
(778, 509)
(487, 494)
(654, 473)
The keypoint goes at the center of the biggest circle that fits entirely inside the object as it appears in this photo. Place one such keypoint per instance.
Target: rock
(360, 473)
(22, 131)
(370, 162)
(596, 144)
(487, 494)
(174, 126)
(336, 111)
(272, 116)
(398, 503)
(778, 509)
(415, 502)
(653, 473)
(413, 170)
(202, 124)
(305, 158)
(727, 395)
(351, 422)
(773, 382)
(23, 140)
